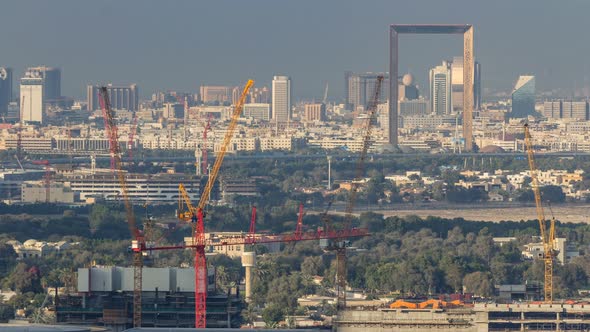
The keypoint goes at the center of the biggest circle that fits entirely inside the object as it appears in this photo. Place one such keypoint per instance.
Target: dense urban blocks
(467, 30)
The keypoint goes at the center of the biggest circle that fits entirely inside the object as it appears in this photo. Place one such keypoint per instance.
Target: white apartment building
(440, 89)
(31, 99)
(258, 111)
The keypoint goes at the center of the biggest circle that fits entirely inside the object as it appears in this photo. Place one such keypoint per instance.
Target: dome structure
(408, 80)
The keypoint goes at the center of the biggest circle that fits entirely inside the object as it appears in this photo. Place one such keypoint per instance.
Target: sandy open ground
(563, 213)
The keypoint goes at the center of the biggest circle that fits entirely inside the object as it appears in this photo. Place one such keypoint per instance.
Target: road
(85, 158)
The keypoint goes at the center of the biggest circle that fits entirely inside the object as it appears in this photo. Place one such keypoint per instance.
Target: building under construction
(105, 297)
(481, 317)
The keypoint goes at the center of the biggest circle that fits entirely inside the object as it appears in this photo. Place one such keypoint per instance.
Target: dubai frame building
(467, 30)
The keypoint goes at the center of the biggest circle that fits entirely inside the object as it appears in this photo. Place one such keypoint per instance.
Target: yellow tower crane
(196, 215)
(547, 235)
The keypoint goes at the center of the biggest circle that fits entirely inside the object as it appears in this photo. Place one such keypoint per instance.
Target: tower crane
(46, 178)
(138, 240)
(547, 232)
(19, 139)
(188, 212)
(132, 132)
(340, 246)
(196, 214)
(201, 153)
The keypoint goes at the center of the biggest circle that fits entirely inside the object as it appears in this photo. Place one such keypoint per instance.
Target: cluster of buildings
(429, 118)
(501, 184)
(508, 182)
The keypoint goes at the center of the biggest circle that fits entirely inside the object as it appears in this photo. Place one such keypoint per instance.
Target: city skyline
(329, 30)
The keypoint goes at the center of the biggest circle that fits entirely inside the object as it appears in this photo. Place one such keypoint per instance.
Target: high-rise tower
(5, 89)
(440, 89)
(523, 97)
(32, 99)
(51, 77)
(121, 97)
(281, 98)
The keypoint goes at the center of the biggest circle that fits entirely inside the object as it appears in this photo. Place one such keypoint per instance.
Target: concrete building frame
(468, 65)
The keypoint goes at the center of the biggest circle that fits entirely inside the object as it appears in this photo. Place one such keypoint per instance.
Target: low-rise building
(565, 251)
(143, 188)
(39, 191)
(33, 248)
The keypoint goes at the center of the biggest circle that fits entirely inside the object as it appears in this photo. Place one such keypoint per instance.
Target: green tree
(272, 315)
(479, 283)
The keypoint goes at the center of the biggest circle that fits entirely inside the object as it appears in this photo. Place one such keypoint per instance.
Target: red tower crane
(110, 126)
(138, 240)
(132, 132)
(340, 246)
(188, 212)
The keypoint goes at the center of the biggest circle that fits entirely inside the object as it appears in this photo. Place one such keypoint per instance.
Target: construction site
(142, 296)
(123, 297)
(479, 317)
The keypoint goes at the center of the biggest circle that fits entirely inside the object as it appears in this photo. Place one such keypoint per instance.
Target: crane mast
(199, 227)
(547, 236)
(341, 244)
(138, 242)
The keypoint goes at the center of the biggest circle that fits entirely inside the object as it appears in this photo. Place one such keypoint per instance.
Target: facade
(477, 89)
(407, 90)
(213, 94)
(104, 297)
(552, 109)
(239, 144)
(413, 107)
(173, 111)
(577, 110)
(565, 250)
(51, 78)
(523, 97)
(258, 111)
(121, 97)
(358, 88)
(479, 317)
(280, 143)
(141, 187)
(232, 188)
(32, 99)
(5, 89)
(259, 95)
(441, 100)
(563, 109)
(281, 98)
(427, 122)
(35, 192)
(314, 112)
(457, 84)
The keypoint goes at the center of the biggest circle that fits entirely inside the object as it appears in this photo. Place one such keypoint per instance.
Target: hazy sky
(180, 45)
